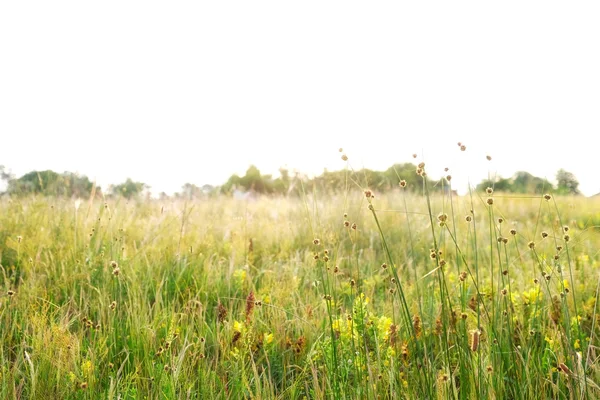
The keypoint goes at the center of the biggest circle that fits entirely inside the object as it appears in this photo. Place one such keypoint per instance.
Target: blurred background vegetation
(69, 184)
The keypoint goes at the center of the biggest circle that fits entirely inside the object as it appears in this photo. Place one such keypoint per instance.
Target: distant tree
(232, 183)
(255, 182)
(521, 182)
(129, 189)
(252, 181)
(208, 189)
(499, 185)
(50, 183)
(283, 183)
(191, 191)
(163, 196)
(567, 183)
(4, 174)
(328, 181)
(524, 182)
(406, 172)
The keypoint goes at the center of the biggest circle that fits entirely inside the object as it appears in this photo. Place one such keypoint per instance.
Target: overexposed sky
(194, 91)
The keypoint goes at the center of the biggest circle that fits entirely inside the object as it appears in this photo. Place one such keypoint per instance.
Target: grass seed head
(221, 313)
(475, 340)
(250, 300)
(563, 367)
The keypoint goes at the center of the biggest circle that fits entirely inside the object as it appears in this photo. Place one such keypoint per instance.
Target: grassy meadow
(334, 296)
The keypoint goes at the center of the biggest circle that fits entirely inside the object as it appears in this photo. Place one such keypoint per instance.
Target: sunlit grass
(345, 296)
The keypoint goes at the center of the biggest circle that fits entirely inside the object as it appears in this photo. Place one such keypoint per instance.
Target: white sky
(193, 91)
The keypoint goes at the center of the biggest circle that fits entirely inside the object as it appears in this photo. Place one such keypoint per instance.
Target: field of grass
(324, 296)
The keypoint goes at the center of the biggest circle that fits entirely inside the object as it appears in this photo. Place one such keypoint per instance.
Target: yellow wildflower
(268, 338)
(238, 326)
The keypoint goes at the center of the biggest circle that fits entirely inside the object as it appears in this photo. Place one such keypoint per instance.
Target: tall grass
(323, 296)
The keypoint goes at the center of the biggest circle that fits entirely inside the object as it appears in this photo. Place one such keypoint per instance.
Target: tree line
(68, 184)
